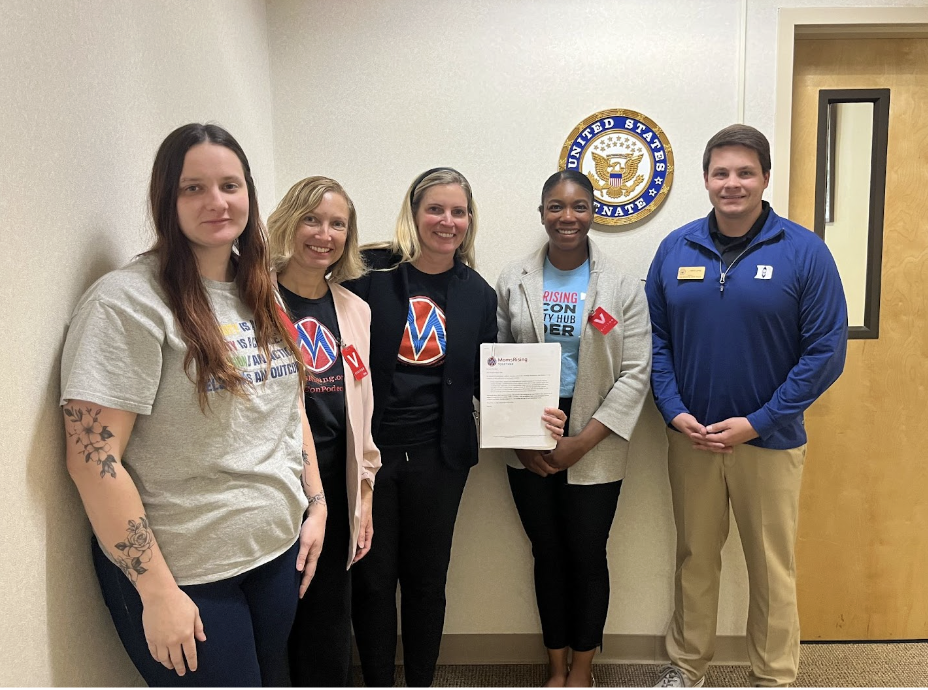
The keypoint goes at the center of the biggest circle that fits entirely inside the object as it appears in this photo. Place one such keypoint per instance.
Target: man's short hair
(739, 135)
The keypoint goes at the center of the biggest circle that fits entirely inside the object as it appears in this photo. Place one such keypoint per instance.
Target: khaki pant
(763, 488)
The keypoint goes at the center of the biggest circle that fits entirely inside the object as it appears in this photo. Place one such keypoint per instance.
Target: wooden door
(862, 554)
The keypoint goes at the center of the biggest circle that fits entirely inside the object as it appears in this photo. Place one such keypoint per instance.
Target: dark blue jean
(246, 618)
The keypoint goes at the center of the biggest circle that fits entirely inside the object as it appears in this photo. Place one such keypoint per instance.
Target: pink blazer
(362, 458)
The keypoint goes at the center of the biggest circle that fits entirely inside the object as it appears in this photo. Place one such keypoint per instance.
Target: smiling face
(319, 241)
(567, 213)
(736, 185)
(212, 199)
(442, 220)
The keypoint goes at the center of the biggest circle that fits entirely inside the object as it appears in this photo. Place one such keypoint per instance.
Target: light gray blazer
(613, 370)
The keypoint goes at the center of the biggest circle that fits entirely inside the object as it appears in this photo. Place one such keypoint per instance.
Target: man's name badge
(353, 359)
(602, 320)
(691, 272)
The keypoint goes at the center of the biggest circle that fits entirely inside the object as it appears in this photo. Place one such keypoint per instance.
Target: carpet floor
(901, 664)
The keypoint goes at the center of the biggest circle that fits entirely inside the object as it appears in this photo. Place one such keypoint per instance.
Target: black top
(730, 248)
(470, 315)
(320, 343)
(412, 414)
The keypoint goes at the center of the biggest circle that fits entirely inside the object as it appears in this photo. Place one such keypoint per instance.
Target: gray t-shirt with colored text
(221, 487)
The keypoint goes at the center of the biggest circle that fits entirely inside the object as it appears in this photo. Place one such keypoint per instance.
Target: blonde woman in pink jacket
(314, 246)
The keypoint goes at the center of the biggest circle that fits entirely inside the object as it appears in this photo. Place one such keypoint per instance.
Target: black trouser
(320, 642)
(568, 525)
(415, 506)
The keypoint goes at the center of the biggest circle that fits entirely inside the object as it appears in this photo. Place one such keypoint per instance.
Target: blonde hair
(301, 199)
(406, 241)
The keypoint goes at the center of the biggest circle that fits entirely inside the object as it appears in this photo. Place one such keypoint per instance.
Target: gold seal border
(668, 173)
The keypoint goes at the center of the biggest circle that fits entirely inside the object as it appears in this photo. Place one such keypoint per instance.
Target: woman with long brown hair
(186, 433)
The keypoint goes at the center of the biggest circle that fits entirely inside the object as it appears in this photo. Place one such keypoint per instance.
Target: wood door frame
(825, 22)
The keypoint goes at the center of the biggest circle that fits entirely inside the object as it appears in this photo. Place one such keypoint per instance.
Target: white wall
(89, 90)
(373, 93)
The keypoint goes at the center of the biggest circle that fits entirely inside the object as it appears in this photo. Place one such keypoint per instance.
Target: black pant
(415, 506)
(568, 525)
(320, 642)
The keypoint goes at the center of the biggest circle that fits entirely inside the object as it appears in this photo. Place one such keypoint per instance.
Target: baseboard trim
(528, 648)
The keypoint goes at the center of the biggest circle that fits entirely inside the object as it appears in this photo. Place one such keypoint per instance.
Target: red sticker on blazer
(602, 320)
(353, 359)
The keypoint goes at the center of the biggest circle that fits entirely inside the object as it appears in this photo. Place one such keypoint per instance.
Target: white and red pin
(353, 359)
(602, 320)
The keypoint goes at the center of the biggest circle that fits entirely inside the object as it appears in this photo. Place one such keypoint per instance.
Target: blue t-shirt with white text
(563, 299)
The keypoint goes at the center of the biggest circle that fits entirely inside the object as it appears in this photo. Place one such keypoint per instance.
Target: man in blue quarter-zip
(749, 327)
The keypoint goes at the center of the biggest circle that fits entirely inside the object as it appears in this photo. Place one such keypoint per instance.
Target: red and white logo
(602, 320)
(424, 339)
(318, 345)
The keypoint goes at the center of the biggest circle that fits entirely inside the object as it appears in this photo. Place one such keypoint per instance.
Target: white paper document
(517, 383)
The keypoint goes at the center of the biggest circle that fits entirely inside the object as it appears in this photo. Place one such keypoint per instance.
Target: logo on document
(491, 362)
(628, 159)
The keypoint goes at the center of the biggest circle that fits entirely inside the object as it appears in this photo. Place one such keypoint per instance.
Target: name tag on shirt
(691, 272)
(353, 359)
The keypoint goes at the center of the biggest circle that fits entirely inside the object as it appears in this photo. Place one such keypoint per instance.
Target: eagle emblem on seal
(616, 174)
(628, 160)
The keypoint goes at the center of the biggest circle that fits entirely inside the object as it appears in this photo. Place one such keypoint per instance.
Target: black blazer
(471, 320)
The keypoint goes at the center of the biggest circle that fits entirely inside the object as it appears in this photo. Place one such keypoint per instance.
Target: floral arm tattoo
(93, 437)
(136, 550)
(318, 498)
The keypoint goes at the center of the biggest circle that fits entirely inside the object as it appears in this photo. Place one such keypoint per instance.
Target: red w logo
(318, 345)
(424, 339)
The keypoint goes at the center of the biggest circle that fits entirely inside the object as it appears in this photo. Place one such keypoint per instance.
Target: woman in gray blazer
(569, 292)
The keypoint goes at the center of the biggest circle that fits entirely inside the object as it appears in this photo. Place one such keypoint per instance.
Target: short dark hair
(739, 135)
(574, 176)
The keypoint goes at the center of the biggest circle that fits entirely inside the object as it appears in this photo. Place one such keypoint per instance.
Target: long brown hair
(207, 356)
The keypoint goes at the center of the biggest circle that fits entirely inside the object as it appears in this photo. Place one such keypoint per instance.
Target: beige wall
(377, 92)
(89, 89)
(370, 93)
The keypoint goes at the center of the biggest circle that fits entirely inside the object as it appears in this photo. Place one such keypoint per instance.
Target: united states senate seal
(627, 158)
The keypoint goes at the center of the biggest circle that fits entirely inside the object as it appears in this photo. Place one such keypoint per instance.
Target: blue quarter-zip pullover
(762, 339)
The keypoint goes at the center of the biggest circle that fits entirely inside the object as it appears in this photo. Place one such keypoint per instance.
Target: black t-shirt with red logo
(413, 414)
(319, 342)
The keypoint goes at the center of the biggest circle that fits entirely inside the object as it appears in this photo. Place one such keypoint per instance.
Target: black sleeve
(362, 286)
(489, 330)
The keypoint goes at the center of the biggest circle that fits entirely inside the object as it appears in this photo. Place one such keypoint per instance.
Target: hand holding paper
(517, 383)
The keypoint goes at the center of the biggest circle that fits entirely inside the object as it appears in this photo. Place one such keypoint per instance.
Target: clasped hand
(544, 463)
(720, 437)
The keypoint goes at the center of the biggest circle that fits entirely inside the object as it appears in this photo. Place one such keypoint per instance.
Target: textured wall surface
(370, 93)
(374, 93)
(89, 90)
